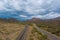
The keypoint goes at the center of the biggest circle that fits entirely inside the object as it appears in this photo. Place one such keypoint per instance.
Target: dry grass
(10, 31)
(29, 32)
(35, 35)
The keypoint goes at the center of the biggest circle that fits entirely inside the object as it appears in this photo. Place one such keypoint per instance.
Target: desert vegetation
(10, 29)
(35, 35)
(50, 25)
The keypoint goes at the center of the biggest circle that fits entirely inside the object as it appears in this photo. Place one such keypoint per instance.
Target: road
(49, 35)
(23, 34)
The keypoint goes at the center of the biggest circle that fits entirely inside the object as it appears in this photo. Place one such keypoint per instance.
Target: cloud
(35, 8)
(52, 15)
(1, 6)
(47, 16)
(49, 1)
(24, 16)
(19, 5)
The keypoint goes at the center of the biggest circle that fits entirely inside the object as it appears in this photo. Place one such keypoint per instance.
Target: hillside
(51, 25)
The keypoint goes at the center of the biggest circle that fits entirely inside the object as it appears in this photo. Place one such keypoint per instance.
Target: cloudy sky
(27, 9)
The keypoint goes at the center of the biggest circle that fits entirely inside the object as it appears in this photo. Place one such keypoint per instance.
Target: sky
(28, 9)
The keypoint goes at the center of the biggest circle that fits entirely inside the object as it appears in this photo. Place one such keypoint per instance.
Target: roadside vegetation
(35, 35)
(52, 27)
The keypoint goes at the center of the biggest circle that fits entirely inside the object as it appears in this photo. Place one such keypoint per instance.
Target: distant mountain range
(11, 20)
(33, 19)
(38, 19)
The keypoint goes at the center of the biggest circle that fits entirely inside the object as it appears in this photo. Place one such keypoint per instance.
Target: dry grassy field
(10, 31)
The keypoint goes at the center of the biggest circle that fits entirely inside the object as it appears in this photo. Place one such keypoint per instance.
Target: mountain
(45, 20)
(10, 20)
